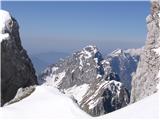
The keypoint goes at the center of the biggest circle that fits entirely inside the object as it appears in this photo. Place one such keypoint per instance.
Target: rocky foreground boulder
(16, 67)
(147, 76)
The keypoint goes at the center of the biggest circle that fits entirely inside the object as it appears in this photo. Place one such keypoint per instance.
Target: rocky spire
(145, 80)
(16, 67)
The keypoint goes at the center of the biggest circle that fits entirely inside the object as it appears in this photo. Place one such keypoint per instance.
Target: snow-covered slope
(147, 108)
(46, 102)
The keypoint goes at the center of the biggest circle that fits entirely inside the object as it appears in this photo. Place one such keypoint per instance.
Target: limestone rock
(146, 78)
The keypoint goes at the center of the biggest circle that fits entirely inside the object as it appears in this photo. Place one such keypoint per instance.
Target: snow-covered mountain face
(89, 79)
(16, 67)
(124, 63)
(147, 76)
(104, 96)
(75, 70)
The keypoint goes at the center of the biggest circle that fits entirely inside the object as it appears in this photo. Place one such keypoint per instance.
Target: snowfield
(147, 108)
(47, 102)
(44, 103)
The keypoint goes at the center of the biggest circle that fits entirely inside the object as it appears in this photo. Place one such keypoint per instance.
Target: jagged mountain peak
(17, 70)
(87, 52)
(83, 74)
(89, 59)
(91, 48)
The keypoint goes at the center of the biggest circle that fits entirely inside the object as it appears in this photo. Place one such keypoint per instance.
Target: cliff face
(124, 63)
(16, 67)
(146, 78)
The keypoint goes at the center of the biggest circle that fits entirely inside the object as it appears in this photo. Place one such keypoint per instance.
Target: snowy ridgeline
(47, 102)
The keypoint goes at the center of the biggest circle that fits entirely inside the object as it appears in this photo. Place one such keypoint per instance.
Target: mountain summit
(88, 79)
(16, 67)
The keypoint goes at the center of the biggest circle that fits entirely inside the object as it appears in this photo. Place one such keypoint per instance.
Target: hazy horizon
(70, 26)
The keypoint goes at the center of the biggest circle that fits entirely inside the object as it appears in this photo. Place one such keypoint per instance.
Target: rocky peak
(91, 49)
(155, 7)
(80, 67)
(87, 54)
(89, 80)
(145, 80)
(16, 67)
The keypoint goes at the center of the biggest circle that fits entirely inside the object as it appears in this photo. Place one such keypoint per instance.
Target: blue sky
(69, 26)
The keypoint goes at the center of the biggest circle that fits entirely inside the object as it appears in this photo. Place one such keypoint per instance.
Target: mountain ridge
(83, 75)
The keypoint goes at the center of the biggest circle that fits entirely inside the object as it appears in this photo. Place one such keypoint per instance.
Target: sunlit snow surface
(4, 18)
(77, 91)
(147, 108)
(55, 80)
(47, 103)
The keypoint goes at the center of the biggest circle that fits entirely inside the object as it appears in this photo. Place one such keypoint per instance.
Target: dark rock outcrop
(16, 67)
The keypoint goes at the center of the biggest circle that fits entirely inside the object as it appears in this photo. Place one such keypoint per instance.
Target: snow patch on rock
(54, 69)
(77, 91)
(116, 52)
(157, 51)
(5, 18)
(106, 84)
(55, 79)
